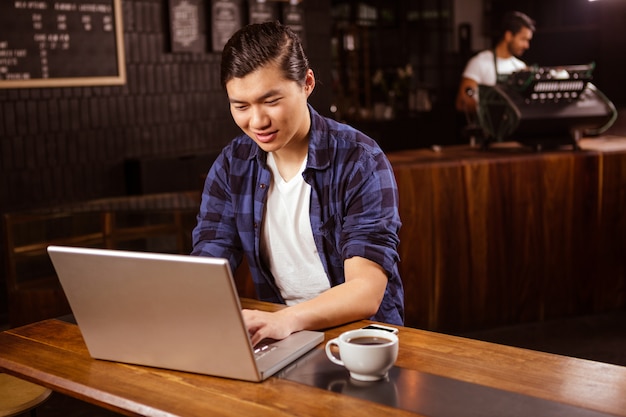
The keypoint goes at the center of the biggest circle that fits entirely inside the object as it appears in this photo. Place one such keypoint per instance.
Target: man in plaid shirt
(311, 203)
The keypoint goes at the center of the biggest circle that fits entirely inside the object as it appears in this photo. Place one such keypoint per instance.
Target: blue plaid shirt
(353, 211)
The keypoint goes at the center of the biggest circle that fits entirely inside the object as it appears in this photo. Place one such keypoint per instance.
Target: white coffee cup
(367, 353)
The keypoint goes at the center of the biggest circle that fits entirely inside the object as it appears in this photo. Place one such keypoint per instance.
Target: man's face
(271, 109)
(518, 44)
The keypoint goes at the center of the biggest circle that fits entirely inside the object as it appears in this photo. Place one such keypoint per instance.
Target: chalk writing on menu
(41, 40)
(187, 26)
(226, 20)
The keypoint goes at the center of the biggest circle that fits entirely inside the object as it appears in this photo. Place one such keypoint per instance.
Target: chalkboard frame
(118, 79)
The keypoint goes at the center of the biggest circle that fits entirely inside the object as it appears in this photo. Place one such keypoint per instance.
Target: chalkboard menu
(61, 43)
(187, 26)
(226, 19)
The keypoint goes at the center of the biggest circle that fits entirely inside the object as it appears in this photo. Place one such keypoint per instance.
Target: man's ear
(309, 82)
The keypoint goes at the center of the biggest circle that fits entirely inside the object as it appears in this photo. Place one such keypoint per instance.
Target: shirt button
(256, 225)
(262, 186)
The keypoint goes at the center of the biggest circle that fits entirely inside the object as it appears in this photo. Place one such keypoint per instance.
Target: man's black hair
(256, 45)
(514, 22)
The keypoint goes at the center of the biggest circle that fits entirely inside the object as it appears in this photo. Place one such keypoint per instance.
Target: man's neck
(289, 160)
(502, 50)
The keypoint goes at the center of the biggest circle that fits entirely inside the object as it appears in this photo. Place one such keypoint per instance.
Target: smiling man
(491, 66)
(310, 202)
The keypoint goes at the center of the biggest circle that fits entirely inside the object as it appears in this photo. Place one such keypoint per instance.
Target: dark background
(62, 145)
(68, 144)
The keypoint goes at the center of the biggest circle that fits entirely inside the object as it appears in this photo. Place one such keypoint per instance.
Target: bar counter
(508, 235)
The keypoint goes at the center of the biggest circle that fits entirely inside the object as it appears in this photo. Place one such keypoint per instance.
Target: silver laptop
(168, 311)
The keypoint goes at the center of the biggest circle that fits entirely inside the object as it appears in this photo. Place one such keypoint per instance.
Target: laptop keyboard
(263, 350)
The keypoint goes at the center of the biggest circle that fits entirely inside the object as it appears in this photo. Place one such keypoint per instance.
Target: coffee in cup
(367, 353)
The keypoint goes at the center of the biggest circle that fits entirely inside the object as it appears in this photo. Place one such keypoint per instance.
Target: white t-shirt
(481, 69)
(287, 245)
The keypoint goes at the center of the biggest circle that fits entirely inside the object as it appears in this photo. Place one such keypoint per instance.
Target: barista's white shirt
(481, 69)
(287, 245)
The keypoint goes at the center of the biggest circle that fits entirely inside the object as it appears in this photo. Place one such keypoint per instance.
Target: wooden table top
(52, 353)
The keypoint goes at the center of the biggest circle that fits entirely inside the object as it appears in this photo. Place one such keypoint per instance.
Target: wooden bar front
(509, 235)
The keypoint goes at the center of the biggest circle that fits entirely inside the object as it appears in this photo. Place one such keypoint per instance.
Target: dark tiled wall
(61, 145)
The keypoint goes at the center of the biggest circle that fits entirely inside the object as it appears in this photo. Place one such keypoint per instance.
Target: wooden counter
(509, 235)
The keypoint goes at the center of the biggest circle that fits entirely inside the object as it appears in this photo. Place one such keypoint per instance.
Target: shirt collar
(319, 142)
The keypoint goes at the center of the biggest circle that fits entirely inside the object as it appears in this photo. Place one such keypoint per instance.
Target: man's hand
(263, 325)
(466, 97)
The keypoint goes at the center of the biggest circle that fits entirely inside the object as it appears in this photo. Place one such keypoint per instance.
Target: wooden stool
(18, 396)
